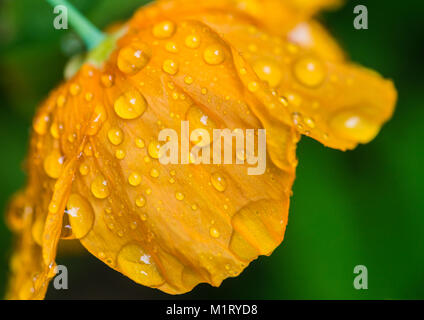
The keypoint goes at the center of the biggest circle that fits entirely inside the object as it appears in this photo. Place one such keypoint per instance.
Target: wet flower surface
(93, 167)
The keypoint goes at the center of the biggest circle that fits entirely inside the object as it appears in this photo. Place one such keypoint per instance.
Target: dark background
(361, 207)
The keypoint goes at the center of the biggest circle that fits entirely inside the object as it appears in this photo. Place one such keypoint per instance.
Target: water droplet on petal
(164, 29)
(115, 136)
(309, 71)
(214, 54)
(218, 181)
(192, 41)
(268, 71)
(139, 266)
(170, 66)
(100, 188)
(53, 164)
(130, 105)
(80, 215)
(354, 125)
(140, 201)
(134, 57)
(214, 233)
(179, 196)
(134, 179)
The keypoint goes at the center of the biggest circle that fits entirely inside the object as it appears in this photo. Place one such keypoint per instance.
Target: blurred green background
(363, 207)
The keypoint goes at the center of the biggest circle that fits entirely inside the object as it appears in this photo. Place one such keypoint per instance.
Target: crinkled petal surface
(94, 172)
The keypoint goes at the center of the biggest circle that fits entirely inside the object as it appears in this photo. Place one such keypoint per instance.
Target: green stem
(84, 28)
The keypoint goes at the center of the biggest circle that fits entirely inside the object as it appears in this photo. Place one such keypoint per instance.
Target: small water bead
(40, 124)
(253, 86)
(140, 201)
(134, 57)
(218, 181)
(164, 29)
(54, 130)
(134, 179)
(61, 100)
(179, 196)
(188, 80)
(170, 66)
(268, 71)
(80, 215)
(88, 96)
(84, 169)
(115, 136)
(154, 173)
(130, 105)
(214, 233)
(154, 149)
(100, 188)
(120, 154)
(170, 46)
(53, 164)
(138, 265)
(309, 122)
(74, 89)
(139, 143)
(200, 120)
(107, 80)
(354, 125)
(192, 41)
(309, 71)
(214, 54)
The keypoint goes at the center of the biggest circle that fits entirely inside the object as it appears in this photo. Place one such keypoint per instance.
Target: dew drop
(130, 105)
(192, 41)
(214, 233)
(134, 179)
(218, 181)
(179, 196)
(100, 188)
(53, 164)
(170, 66)
(214, 54)
(115, 136)
(134, 57)
(164, 29)
(269, 72)
(154, 149)
(80, 215)
(309, 71)
(139, 266)
(140, 201)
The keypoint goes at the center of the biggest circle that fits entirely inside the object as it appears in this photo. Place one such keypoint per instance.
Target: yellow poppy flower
(93, 167)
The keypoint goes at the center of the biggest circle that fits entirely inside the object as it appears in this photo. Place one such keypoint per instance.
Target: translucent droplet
(53, 164)
(134, 179)
(139, 266)
(80, 215)
(40, 124)
(115, 136)
(74, 89)
(309, 71)
(170, 66)
(354, 125)
(134, 57)
(84, 169)
(179, 196)
(170, 46)
(214, 233)
(100, 188)
(154, 149)
(120, 154)
(140, 201)
(130, 105)
(268, 71)
(139, 143)
(107, 80)
(214, 54)
(154, 173)
(164, 29)
(200, 120)
(218, 181)
(253, 86)
(192, 41)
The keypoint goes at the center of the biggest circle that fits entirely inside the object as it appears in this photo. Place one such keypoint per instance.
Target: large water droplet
(354, 125)
(164, 29)
(200, 120)
(309, 71)
(53, 164)
(268, 71)
(218, 181)
(134, 57)
(139, 266)
(80, 215)
(214, 54)
(130, 105)
(115, 136)
(100, 188)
